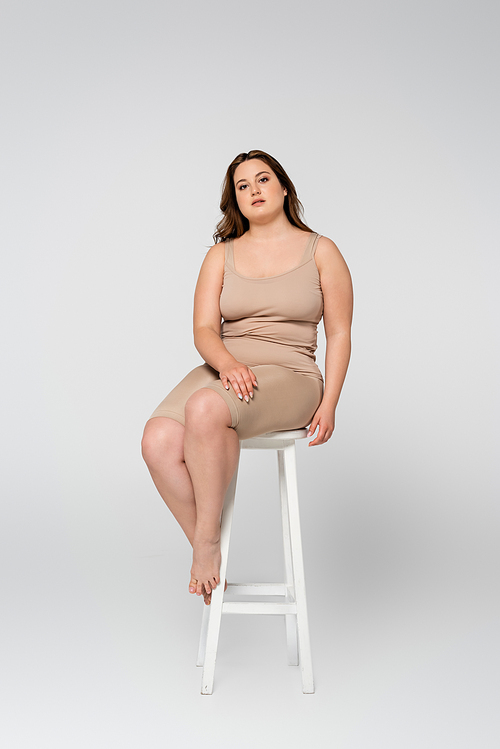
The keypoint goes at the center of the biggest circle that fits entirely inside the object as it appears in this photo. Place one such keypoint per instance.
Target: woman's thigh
(282, 399)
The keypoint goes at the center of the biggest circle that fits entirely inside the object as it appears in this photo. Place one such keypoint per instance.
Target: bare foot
(205, 568)
(207, 597)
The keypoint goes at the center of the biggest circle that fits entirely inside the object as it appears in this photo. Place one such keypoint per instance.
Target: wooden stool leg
(290, 619)
(203, 636)
(298, 570)
(209, 650)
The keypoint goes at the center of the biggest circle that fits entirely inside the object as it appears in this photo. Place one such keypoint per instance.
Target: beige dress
(269, 324)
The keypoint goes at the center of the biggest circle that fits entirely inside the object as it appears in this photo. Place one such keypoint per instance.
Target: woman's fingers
(253, 377)
(249, 385)
(313, 427)
(233, 380)
(324, 433)
(242, 380)
(242, 387)
(324, 421)
(320, 440)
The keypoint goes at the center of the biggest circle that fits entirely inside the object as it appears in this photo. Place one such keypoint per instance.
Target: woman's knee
(162, 437)
(206, 408)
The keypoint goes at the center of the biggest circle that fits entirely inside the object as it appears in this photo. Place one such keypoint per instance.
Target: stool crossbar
(292, 590)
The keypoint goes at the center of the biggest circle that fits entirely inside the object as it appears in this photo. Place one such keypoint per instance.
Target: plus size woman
(262, 289)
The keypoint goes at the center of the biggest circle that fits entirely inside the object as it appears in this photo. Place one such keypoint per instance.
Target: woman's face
(259, 193)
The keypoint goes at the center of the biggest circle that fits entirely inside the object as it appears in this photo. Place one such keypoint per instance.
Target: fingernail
(251, 395)
(227, 387)
(240, 396)
(247, 399)
(309, 434)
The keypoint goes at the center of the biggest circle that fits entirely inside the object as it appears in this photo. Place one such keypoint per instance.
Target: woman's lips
(258, 202)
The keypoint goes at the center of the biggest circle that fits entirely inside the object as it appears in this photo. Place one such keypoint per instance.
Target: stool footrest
(260, 589)
(258, 607)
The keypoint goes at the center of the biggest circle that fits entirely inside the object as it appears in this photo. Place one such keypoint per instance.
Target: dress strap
(229, 254)
(310, 247)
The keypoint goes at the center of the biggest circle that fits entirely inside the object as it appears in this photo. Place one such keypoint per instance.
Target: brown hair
(233, 223)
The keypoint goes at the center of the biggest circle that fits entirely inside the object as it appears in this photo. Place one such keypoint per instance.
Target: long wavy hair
(233, 223)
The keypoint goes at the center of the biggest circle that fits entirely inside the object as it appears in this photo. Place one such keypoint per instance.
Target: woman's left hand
(324, 422)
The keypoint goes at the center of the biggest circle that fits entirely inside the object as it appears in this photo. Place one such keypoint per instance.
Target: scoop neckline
(277, 275)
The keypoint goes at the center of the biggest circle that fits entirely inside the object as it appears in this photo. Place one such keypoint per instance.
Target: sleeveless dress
(269, 324)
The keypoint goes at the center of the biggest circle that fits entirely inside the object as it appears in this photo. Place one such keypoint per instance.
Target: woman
(270, 278)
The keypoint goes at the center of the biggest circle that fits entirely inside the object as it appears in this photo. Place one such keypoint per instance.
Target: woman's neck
(275, 229)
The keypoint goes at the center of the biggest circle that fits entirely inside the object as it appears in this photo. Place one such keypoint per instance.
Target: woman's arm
(337, 316)
(206, 326)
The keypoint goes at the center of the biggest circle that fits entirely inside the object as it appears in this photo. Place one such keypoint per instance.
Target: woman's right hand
(241, 379)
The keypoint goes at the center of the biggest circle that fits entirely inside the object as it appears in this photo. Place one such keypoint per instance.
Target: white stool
(293, 589)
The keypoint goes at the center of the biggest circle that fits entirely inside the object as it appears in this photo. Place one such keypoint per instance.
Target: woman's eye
(242, 187)
(264, 179)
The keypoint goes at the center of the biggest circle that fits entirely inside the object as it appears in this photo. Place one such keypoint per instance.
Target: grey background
(119, 120)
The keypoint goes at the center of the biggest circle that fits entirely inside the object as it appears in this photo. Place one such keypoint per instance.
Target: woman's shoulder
(216, 254)
(326, 245)
(213, 263)
(328, 255)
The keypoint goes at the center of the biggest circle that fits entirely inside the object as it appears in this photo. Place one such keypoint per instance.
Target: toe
(192, 585)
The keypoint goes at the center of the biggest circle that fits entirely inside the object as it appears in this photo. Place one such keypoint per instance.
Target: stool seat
(271, 440)
(292, 434)
(292, 590)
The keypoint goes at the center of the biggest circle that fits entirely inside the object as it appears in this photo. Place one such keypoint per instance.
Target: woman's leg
(163, 451)
(211, 449)
(214, 448)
